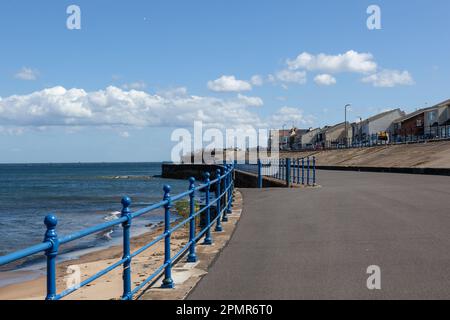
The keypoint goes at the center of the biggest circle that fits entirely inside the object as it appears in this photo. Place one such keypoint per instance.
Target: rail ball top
(126, 202)
(191, 180)
(167, 188)
(206, 175)
(51, 221)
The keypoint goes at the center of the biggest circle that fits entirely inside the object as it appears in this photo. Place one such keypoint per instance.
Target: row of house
(389, 126)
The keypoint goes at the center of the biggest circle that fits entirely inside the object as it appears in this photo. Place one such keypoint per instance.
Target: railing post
(298, 170)
(167, 282)
(293, 171)
(208, 239)
(51, 236)
(126, 202)
(232, 187)
(225, 173)
(192, 255)
(260, 177)
(314, 171)
(279, 169)
(218, 204)
(303, 171)
(308, 171)
(288, 172)
(230, 191)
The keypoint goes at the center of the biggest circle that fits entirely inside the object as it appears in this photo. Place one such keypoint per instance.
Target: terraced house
(427, 123)
(334, 136)
(371, 130)
(437, 120)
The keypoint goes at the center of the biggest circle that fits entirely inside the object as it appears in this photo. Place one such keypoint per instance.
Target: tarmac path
(318, 243)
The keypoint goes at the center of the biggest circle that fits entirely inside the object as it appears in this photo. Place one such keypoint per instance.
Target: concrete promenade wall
(418, 155)
(186, 171)
(426, 171)
(242, 179)
(250, 180)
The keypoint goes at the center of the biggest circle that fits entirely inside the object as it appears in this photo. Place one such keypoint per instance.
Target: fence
(221, 201)
(299, 171)
(400, 136)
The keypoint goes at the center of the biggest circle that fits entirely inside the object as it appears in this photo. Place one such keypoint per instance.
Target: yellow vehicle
(383, 136)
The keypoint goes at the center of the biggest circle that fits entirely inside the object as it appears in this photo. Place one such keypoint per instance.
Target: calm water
(81, 195)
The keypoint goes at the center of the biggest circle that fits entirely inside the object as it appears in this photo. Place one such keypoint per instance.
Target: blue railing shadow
(222, 201)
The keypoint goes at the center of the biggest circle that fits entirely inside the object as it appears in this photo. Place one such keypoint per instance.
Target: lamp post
(346, 129)
(284, 138)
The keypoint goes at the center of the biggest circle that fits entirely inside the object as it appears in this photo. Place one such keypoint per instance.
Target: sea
(80, 195)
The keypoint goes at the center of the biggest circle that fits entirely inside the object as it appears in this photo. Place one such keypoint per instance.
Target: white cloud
(120, 110)
(11, 130)
(251, 101)
(257, 80)
(114, 107)
(325, 80)
(289, 116)
(138, 85)
(27, 74)
(229, 84)
(351, 61)
(173, 92)
(289, 76)
(124, 134)
(389, 78)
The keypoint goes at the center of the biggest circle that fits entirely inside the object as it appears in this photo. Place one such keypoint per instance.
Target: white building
(369, 130)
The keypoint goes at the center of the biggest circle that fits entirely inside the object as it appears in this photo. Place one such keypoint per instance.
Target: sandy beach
(110, 285)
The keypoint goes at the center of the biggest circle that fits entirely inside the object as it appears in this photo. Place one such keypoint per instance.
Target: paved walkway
(318, 243)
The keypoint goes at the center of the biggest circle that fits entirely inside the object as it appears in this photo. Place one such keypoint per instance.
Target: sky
(116, 89)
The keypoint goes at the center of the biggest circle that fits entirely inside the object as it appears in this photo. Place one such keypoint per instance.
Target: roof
(301, 131)
(423, 110)
(282, 133)
(304, 132)
(414, 114)
(444, 104)
(337, 126)
(383, 114)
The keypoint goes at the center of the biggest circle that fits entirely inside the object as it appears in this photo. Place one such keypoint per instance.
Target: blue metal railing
(222, 201)
(299, 171)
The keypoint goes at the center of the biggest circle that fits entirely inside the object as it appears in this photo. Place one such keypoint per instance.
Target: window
(432, 116)
(419, 123)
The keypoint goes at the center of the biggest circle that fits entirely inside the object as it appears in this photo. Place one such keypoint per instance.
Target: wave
(107, 234)
(125, 177)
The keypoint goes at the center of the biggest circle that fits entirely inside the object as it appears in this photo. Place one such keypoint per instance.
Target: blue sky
(143, 68)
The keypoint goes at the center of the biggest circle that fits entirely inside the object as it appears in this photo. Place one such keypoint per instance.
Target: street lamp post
(346, 128)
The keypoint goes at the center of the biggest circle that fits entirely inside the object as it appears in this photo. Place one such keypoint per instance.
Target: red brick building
(410, 125)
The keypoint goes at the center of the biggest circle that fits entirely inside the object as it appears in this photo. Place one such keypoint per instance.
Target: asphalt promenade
(318, 243)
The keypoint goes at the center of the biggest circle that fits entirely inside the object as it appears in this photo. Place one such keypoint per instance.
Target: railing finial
(167, 189)
(126, 203)
(50, 222)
